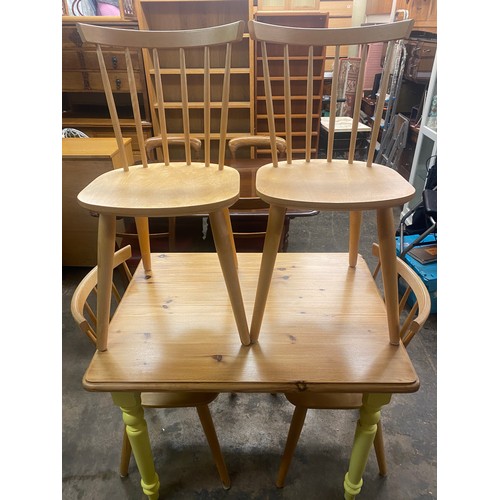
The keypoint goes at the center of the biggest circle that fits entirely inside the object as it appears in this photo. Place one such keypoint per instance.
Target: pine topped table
(175, 331)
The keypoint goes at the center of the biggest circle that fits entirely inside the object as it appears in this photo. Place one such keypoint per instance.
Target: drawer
(81, 81)
(86, 59)
(71, 38)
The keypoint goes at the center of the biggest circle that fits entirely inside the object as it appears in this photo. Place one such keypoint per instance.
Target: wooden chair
(413, 318)
(167, 188)
(85, 315)
(326, 184)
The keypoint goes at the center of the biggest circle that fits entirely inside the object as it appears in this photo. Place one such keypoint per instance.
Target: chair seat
(337, 185)
(176, 399)
(325, 401)
(159, 190)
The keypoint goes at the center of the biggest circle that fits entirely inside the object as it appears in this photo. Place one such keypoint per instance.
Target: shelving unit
(83, 101)
(426, 142)
(192, 14)
(298, 61)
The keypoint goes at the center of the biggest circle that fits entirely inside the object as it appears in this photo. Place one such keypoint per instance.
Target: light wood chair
(414, 307)
(168, 188)
(84, 312)
(327, 184)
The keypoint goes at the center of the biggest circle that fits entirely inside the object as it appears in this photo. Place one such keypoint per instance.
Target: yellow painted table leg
(369, 415)
(105, 252)
(137, 431)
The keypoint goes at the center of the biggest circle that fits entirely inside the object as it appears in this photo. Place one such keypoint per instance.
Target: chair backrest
(171, 54)
(83, 308)
(278, 77)
(413, 293)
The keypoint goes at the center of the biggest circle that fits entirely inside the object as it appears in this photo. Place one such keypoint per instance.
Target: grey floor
(252, 428)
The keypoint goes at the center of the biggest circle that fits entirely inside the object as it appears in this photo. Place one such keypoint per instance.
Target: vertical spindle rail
(333, 104)
(225, 107)
(185, 104)
(357, 103)
(309, 101)
(115, 121)
(161, 107)
(379, 108)
(206, 103)
(288, 104)
(135, 107)
(269, 104)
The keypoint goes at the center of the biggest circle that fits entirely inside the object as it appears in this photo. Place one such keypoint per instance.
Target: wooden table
(176, 331)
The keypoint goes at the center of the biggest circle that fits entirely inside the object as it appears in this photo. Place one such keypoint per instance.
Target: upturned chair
(414, 309)
(327, 184)
(166, 188)
(84, 313)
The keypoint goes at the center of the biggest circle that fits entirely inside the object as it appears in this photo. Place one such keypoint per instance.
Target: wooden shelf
(298, 60)
(194, 14)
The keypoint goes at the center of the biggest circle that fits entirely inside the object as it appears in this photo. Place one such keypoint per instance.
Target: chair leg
(296, 425)
(171, 234)
(126, 453)
(271, 244)
(354, 234)
(142, 225)
(227, 218)
(387, 244)
(378, 443)
(224, 245)
(208, 426)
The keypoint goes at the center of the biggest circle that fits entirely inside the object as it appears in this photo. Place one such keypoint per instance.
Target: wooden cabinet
(288, 5)
(83, 101)
(82, 161)
(423, 12)
(298, 65)
(191, 14)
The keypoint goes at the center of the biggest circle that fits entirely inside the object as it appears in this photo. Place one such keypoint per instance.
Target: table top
(325, 329)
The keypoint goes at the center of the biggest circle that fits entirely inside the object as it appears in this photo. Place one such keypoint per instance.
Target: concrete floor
(252, 428)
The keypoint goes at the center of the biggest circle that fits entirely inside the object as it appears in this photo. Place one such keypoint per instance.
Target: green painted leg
(369, 415)
(137, 431)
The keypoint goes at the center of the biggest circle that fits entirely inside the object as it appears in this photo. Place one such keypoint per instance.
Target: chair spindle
(115, 121)
(161, 107)
(333, 104)
(309, 101)
(206, 103)
(225, 107)
(185, 104)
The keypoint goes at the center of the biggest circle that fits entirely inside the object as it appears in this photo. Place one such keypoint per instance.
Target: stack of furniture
(318, 320)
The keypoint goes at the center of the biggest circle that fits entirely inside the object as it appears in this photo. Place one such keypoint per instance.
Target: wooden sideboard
(82, 161)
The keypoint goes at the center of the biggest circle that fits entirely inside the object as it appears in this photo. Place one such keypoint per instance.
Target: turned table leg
(137, 432)
(369, 415)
